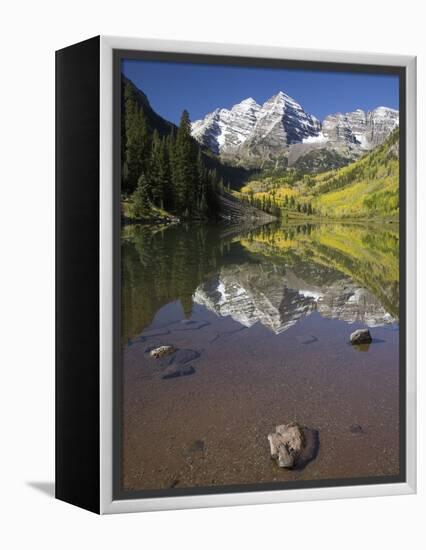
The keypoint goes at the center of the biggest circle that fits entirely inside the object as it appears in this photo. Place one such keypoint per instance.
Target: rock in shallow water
(293, 446)
(162, 351)
(286, 444)
(361, 336)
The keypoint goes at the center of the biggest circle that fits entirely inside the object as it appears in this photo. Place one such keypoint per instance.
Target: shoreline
(288, 220)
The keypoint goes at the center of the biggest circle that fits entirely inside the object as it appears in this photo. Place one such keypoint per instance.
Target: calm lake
(261, 319)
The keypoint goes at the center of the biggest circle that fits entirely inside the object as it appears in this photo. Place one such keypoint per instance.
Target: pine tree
(185, 169)
(202, 183)
(168, 172)
(137, 142)
(140, 197)
(155, 176)
(171, 199)
(165, 175)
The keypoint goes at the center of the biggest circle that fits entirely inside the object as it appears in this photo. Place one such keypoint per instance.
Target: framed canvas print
(235, 274)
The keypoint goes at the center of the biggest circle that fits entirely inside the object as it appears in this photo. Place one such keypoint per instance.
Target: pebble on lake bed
(287, 443)
(361, 336)
(162, 351)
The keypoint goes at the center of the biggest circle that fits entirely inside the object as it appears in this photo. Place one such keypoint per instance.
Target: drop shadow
(46, 487)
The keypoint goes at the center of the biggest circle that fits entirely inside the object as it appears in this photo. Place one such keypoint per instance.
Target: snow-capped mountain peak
(361, 128)
(248, 101)
(249, 129)
(283, 121)
(227, 129)
(280, 117)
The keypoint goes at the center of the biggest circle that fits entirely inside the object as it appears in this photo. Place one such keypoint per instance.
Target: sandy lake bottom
(211, 427)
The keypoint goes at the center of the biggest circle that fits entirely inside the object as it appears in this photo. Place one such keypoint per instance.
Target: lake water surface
(263, 318)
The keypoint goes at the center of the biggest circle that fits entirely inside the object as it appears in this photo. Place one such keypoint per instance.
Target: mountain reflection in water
(274, 274)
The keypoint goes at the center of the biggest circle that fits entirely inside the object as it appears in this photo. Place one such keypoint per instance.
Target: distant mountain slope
(318, 160)
(367, 187)
(360, 128)
(155, 121)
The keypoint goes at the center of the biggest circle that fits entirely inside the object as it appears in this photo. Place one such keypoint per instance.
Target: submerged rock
(178, 370)
(162, 351)
(356, 429)
(286, 444)
(185, 355)
(293, 446)
(189, 324)
(361, 336)
(154, 332)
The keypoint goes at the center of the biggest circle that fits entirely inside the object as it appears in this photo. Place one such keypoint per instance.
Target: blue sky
(172, 87)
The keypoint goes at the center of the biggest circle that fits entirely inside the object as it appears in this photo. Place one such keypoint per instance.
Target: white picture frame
(108, 44)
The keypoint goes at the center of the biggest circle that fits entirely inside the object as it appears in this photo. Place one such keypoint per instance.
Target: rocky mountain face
(253, 293)
(227, 129)
(280, 128)
(279, 121)
(282, 120)
(359, 128)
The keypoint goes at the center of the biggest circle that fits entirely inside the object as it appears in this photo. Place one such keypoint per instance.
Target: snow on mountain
(210, 131)
(337, 130)
(252, 129)
(380, 123)
(225, 129)
(279, 121)
(360, 128)
(320, 138)
(282, 118)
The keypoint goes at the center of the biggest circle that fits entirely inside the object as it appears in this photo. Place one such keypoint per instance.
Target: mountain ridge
(251, 133)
